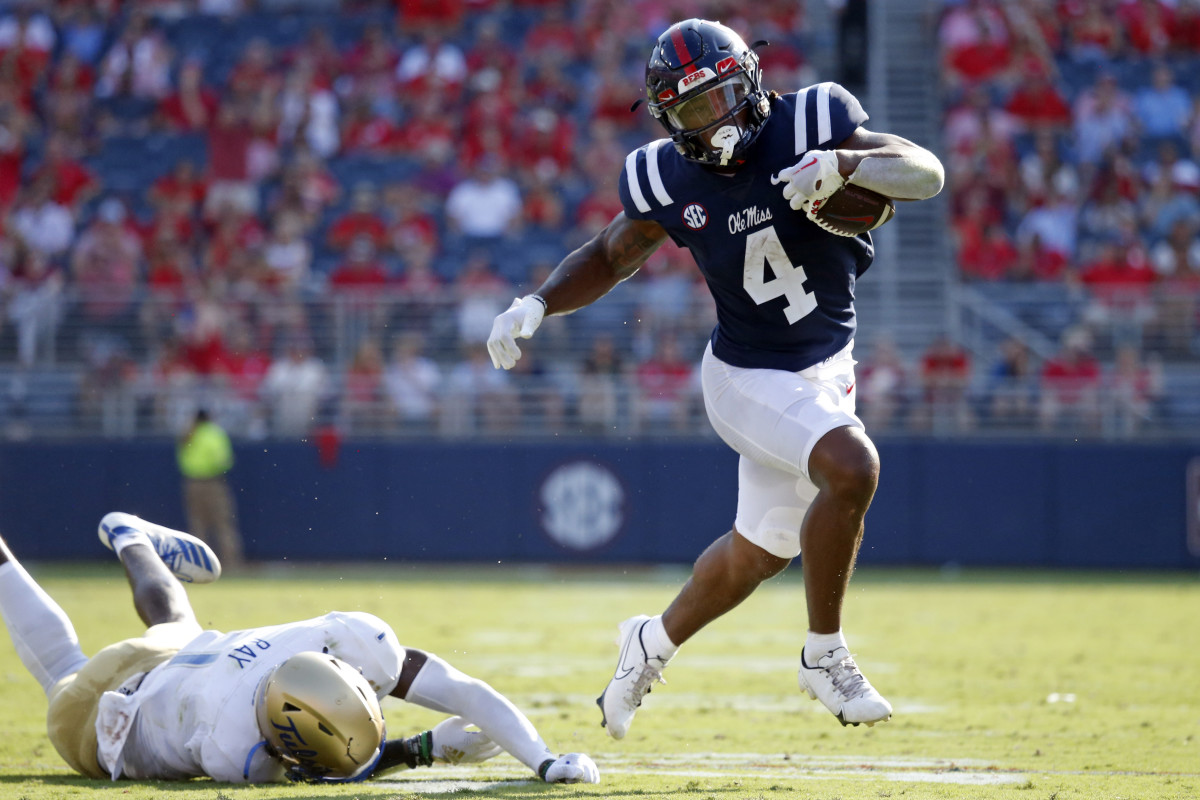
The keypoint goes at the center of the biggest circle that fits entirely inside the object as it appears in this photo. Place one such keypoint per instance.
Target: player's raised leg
(153, 558)
(41, 631)
(726, 573)
(188, 557)
(845, 468)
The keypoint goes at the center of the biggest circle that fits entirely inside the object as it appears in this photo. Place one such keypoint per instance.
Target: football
(852, 210)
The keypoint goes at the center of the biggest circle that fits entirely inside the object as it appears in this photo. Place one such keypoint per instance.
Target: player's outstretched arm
(582, 278)
(613, 255)
(441, 687)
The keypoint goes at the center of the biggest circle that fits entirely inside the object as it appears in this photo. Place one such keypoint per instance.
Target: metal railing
(387, 365)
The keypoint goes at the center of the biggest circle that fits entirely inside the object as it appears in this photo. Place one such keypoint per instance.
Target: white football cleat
(188, 557)
(636, 671)
(837, 682)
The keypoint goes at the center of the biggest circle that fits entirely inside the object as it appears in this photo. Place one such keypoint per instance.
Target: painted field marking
(758, 766)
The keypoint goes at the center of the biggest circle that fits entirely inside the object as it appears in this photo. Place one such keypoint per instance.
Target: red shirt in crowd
(945, 369)
(1037, 102)
(370, 135)
(11, 160)
(228, 145)
(990, 257)
(446, 14)
(171, 189)
(415, 230)
(664, 380)
(1148, 25)
(1071, 377)
(244, 370)
(350, 226)
(1115, 279)
(71, 178)
(350, 276)
(189, 113)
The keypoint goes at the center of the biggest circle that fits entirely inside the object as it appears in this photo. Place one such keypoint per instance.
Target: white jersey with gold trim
(194, 715)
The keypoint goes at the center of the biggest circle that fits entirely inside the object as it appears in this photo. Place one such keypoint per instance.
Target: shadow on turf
(517, 790)
(89, 783)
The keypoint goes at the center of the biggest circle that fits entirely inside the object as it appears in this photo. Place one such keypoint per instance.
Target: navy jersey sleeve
(825, 115)
(643, 192)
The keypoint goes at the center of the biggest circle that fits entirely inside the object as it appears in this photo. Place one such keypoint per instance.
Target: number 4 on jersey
(763, 248)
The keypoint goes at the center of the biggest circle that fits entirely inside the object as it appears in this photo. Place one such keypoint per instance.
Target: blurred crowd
(1072, 130)
(277, 203)
(945, 392)
(305, 214)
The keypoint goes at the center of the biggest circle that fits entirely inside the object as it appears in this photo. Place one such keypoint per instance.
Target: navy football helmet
(699, 79)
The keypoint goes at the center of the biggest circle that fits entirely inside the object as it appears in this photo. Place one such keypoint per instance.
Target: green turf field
(1006, 685)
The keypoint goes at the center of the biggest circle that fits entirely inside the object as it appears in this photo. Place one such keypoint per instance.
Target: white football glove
(521, 319)
(454, 744)
(811, 180)
(573, 768)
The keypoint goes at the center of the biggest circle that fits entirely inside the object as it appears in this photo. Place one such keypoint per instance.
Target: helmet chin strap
(726, 138)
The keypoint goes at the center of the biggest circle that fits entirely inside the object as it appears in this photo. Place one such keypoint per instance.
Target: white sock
(131, 536)
(819, 645)
(656, 641)
(43, 635)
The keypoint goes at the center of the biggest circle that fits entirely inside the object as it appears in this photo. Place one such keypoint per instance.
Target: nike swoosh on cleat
(621, 675)
(850, 388)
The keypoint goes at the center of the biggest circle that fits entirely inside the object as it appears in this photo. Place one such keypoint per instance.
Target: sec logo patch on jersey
(694, 216)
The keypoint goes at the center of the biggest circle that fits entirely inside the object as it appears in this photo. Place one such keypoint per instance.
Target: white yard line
(737, 766)
(756, 766)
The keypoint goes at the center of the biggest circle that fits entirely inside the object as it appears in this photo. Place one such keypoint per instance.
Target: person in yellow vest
(205, 455)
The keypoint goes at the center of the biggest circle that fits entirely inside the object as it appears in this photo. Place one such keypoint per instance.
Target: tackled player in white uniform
(298, 701)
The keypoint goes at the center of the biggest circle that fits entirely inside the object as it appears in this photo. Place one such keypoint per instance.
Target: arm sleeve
(846, 112)
(825, 115)
(441, 687)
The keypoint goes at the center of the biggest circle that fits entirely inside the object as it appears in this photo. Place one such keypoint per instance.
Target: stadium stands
(285, 109)
(1073, 133)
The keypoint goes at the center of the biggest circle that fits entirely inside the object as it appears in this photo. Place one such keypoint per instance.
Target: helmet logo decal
(694, 216)
(726, 64)
(297, 748)
(666, 95)
(695, 78)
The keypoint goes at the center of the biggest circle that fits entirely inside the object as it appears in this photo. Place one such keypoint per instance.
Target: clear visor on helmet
(707, 107)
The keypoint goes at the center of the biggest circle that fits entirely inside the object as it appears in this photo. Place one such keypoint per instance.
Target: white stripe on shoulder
(801, 121)
(824, 126)
(656, 182)
(635, 186)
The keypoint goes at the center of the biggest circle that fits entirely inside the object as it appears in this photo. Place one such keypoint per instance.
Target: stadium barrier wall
(1054, 504)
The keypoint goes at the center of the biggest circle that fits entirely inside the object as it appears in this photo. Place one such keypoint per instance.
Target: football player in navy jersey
(738, 182)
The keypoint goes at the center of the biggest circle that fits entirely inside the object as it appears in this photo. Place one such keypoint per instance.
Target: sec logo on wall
(582, 505)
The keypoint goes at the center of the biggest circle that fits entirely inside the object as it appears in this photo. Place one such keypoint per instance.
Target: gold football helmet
(321, 718)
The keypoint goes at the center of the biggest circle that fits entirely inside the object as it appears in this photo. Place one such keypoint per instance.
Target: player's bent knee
(846, 463)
